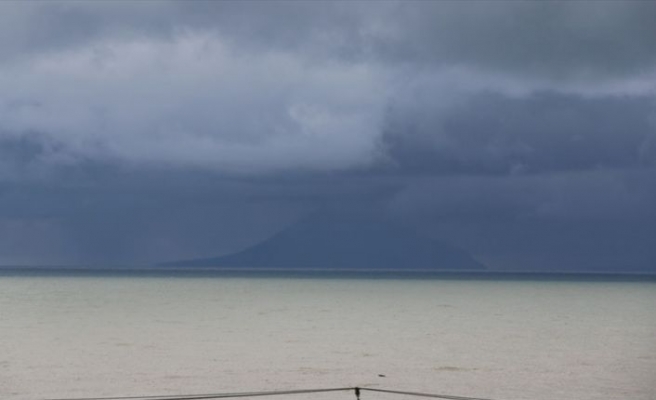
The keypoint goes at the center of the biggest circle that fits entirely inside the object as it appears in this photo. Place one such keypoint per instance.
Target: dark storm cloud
(55, 26)
(104, 214)
(494, 134)
(18, 154)
(134, 132)
(599, 194)
(595, 220)
(552, 39)
(260, 87)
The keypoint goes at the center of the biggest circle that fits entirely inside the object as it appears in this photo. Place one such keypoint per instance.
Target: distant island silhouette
(349, 242)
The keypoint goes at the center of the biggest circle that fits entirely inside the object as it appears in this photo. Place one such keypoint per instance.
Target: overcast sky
(138, 132)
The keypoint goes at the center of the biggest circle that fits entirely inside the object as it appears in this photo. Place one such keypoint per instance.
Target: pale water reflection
(96, 336)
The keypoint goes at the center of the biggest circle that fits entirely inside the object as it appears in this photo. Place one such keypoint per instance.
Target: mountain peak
(330, 240)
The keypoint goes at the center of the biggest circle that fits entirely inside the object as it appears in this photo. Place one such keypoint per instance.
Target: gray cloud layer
(228, 87)
(137, 131)
(491, 133)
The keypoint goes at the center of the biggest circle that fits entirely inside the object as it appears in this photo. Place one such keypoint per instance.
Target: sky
(139, 132)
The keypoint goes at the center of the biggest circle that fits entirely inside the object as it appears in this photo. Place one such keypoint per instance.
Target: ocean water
(122, 334)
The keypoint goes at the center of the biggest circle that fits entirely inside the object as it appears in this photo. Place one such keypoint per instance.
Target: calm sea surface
(74, 334)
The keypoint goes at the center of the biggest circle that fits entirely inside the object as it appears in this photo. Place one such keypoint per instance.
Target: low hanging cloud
(224, 87)
(565, 43)
(489, 133)
(195, 101)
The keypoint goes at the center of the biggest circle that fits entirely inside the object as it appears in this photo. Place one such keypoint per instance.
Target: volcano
(329, 241)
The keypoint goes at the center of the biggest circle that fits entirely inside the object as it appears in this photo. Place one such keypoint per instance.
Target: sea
(98, 333)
